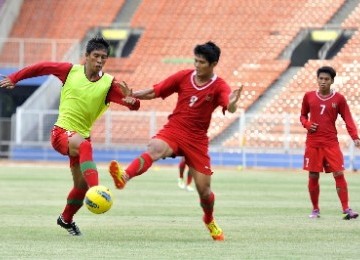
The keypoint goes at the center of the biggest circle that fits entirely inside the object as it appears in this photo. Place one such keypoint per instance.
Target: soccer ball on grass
(98, 199)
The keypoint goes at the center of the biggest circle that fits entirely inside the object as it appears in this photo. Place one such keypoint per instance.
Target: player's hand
(233, 99)
(357, 143)
(124, 88)
(235, 95)
(129, 100)
(5, 82)
(313, 127)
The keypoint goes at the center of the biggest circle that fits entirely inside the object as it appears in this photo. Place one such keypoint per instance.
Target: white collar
(213, 78)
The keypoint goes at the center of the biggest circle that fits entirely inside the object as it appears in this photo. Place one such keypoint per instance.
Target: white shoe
(189, 188)
(181, 183)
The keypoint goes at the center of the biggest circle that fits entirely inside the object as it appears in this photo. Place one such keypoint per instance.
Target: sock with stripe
(139, 165)
(87, 165)
(74, 203)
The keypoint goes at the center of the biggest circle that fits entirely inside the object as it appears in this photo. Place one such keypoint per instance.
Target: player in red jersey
(322, 152)
(199, 92)
(181, 183)
(85, 95)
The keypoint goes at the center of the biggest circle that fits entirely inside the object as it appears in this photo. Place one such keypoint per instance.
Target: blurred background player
(184, 185)
(200, 92)
(85, 95)
(322, 152)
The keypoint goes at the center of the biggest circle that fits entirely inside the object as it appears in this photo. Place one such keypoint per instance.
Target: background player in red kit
(85, 95)
(322, 152)
(187, 183)
(199, 91)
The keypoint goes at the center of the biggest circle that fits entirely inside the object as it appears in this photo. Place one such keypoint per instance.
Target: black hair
(327, 69)
(97, 43)
(210, 51)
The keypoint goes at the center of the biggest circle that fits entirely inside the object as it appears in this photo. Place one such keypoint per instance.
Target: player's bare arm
(127, 92)
(5, 82)
(124, 88)
(145, 94)
(234, 97)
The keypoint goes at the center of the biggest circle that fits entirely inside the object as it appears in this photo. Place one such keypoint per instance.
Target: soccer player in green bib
(85, 95)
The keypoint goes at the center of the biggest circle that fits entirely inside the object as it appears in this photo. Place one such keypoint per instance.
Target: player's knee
(158, 150)
(76, 149)
(204, 192)
(75, 142)
(337, 174)
(314, 175)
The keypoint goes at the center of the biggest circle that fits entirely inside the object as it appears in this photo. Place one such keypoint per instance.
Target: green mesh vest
(82, 101)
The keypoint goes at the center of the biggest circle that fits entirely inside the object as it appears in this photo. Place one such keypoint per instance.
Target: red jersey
(195, 104)
(324, 111)
(61, 71)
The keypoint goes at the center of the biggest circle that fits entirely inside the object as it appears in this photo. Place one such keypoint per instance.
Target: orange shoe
(118, 174)
(215, 231)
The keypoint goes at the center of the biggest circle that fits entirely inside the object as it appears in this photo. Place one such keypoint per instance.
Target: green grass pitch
(262, 212)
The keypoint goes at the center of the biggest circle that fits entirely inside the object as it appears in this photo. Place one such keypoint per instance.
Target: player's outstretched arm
(121, 94)
(5, 82)
(131, 102)
(234, 97)
(145, 94)
(124, 88)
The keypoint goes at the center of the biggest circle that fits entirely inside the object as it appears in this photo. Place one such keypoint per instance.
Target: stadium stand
(346, 62)
(67, 20)
(272, 26)
(252, 34)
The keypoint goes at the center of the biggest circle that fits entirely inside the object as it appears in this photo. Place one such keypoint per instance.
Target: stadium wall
(241, 159)
(261, 140)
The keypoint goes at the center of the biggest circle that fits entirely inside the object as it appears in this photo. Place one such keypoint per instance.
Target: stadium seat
(252, 37)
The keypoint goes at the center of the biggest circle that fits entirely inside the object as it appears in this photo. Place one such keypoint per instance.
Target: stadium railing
(21, 52)
(260, 140)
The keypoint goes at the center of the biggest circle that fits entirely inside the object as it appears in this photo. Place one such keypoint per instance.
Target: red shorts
(328, 159)
(194, 151)
(60, 142)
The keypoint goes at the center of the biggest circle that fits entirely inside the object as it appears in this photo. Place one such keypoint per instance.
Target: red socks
(208, 208)
(314, 191)
(342, 191)
(341, 188)
(74, 203)
(139, 165)
(87, 165)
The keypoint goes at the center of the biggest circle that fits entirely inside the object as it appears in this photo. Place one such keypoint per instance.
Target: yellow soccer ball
(98, 199)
